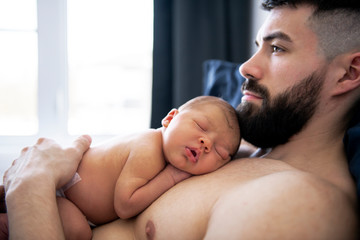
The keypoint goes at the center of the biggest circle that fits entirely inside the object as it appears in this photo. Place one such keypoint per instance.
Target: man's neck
(317, 152)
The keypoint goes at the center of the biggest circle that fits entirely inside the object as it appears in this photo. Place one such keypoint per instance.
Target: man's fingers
(22, 153)
(82, 143)
(24, 150)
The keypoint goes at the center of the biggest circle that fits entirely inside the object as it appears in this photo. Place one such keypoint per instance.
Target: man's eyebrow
(275, 35)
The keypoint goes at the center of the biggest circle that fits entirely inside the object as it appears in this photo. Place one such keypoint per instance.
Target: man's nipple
(150, 230)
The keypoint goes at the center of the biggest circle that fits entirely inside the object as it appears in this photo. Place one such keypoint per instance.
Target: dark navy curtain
(186, 33)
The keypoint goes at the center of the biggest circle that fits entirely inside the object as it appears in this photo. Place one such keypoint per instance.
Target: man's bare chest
(190, 203)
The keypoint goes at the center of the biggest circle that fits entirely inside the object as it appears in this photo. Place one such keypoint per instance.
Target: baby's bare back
(99, 171)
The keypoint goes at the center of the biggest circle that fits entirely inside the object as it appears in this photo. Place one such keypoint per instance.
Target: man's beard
(277, 119)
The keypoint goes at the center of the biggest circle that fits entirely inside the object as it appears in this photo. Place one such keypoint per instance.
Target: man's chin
(248, 109)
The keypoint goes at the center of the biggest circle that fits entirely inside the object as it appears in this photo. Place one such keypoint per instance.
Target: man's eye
(276, 49)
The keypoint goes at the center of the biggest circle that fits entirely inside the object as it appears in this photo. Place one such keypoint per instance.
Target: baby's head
(202, 135)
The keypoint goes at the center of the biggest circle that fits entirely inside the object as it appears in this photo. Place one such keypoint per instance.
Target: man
(302, 84)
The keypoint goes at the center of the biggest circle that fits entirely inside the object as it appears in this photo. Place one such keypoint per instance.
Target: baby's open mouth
(192, 154)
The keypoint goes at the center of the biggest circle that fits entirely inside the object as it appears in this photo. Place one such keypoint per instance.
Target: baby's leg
(74, 222)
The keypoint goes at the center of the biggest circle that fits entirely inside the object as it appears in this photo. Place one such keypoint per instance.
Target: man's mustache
(253, 86)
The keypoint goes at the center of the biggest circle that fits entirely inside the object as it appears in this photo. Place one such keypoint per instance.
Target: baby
(122, 177)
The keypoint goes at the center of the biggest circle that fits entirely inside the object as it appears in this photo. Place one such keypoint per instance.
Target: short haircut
(335, 22)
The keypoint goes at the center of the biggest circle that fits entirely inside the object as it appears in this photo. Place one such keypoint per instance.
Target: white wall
(258, 17)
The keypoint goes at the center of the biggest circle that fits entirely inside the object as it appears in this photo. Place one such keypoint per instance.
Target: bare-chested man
(302, 84)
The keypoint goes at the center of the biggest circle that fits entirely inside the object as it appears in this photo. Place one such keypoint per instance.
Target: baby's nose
(206, 144)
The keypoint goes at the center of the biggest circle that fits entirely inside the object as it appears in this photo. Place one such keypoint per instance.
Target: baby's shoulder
(147, 138)
(148, 143)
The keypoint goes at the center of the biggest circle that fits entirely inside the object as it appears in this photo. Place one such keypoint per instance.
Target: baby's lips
(192, 154)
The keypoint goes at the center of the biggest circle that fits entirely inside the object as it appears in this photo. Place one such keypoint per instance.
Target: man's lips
(192, 154)
(250, 96)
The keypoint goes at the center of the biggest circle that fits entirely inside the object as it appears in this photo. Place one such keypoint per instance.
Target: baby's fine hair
(201, 102)
(204, 100)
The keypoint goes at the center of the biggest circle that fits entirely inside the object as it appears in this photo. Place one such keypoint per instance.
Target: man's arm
(287, 205)
(30, 185)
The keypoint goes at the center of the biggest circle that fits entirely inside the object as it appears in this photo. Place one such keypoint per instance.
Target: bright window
(68, 68)
(110, 62)
(18, 71)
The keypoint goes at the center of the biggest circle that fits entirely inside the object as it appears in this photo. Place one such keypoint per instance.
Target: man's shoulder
(285, 204)
(312, 194)
(278, 175)
(292, 178)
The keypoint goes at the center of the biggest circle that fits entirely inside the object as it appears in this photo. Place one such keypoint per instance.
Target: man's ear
(351, 78)
(166, 120)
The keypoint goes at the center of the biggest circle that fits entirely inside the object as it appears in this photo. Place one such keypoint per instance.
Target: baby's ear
(166, 120)
(351, 78)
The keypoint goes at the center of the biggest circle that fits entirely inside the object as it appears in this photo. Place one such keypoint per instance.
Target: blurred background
(109, 67)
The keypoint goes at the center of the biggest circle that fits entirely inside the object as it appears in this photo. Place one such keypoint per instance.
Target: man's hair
(336, 23)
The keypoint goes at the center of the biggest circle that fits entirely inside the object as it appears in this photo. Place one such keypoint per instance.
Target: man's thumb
(82, 143)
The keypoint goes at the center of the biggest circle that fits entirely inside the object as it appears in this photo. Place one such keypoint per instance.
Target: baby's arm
(141, 183)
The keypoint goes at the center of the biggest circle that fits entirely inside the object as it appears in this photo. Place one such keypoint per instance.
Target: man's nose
(252, 68)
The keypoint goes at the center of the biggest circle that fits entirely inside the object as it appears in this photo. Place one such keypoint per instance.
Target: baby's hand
(176, 174)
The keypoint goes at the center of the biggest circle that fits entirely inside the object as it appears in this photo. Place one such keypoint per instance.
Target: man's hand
(48, 161)
(30, 187)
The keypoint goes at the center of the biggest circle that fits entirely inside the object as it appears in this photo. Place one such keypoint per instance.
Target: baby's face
(200, 141)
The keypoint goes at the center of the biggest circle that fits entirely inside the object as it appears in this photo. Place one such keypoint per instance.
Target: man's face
(285, 78)
(280, 117)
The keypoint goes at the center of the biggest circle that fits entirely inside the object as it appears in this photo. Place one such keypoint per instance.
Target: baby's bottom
(74, 223)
